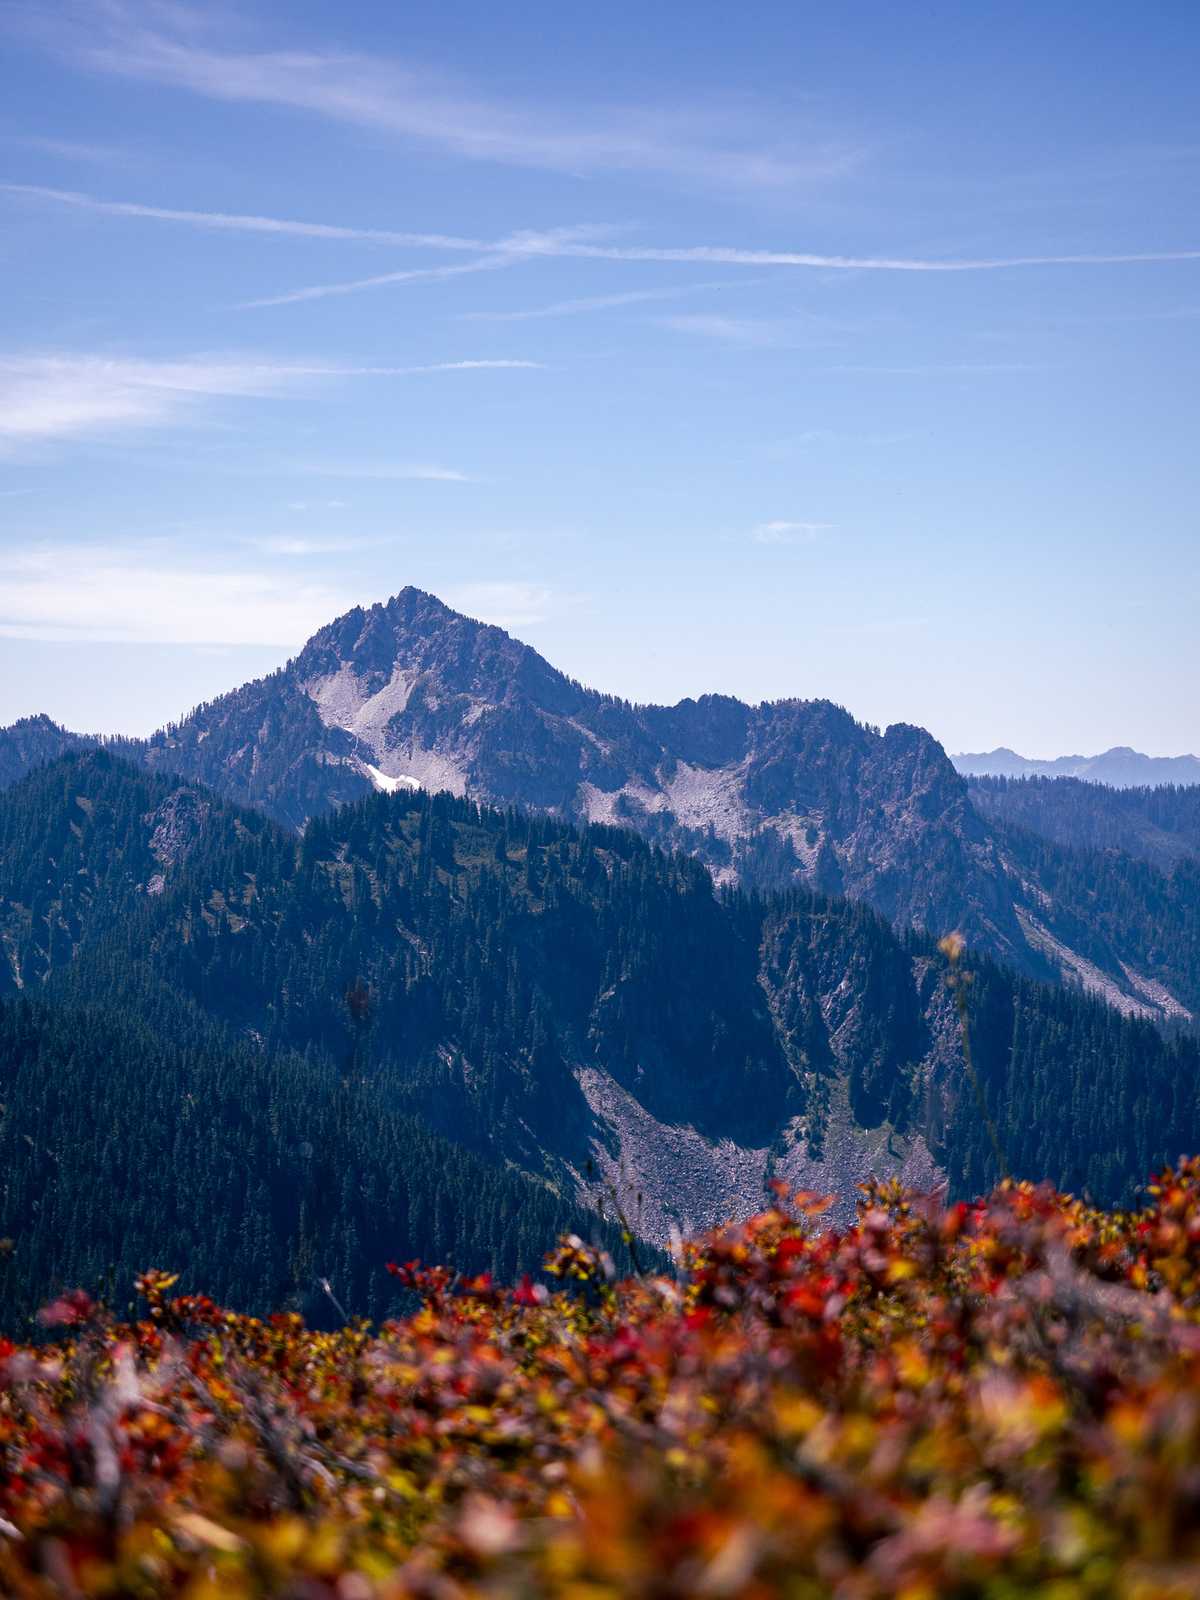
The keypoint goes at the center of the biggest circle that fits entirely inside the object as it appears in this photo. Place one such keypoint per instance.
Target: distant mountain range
(1119, 768)
(428, 1026)
(791, 793)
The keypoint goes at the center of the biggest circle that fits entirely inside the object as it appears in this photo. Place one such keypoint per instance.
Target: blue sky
(786, 349)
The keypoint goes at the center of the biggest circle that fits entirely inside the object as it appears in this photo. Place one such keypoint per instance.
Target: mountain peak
(415, 604)
(411, 614)
(415, 632)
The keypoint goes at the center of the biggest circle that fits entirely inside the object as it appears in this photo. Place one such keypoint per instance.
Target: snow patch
(417, 768)
(386, 783)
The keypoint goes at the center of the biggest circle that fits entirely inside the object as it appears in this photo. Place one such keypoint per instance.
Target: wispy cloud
(380, 471)
(825, 438)
(730, 330)
(49, 397)
(603, 302)
(505, 252)
(507, 604)
(55, 397)
(100, 155)
(184, 47)
(80, 592)
(572, 243)
(488, 364)
(292, 545)
(784, 532)
(736, 256)
(235, 222)
(473, 366)
(943, 369)
(381, 280)
(533, 246)
(759, 333)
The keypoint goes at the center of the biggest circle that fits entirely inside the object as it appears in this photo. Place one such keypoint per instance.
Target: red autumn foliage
(995, 1400)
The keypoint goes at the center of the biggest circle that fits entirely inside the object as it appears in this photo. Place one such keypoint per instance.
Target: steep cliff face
(784, 794)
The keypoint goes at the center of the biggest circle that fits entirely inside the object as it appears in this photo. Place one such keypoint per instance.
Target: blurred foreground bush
(997, 1400)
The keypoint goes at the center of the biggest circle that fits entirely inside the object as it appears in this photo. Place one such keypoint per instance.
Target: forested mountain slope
(785, 794)
(31, 742)
(137, 1134)
(1125, 899)
(576, 1005)
(1159, 825)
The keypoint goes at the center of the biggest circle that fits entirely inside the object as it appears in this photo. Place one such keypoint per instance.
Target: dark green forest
(266, 1060)
(150, 1140)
